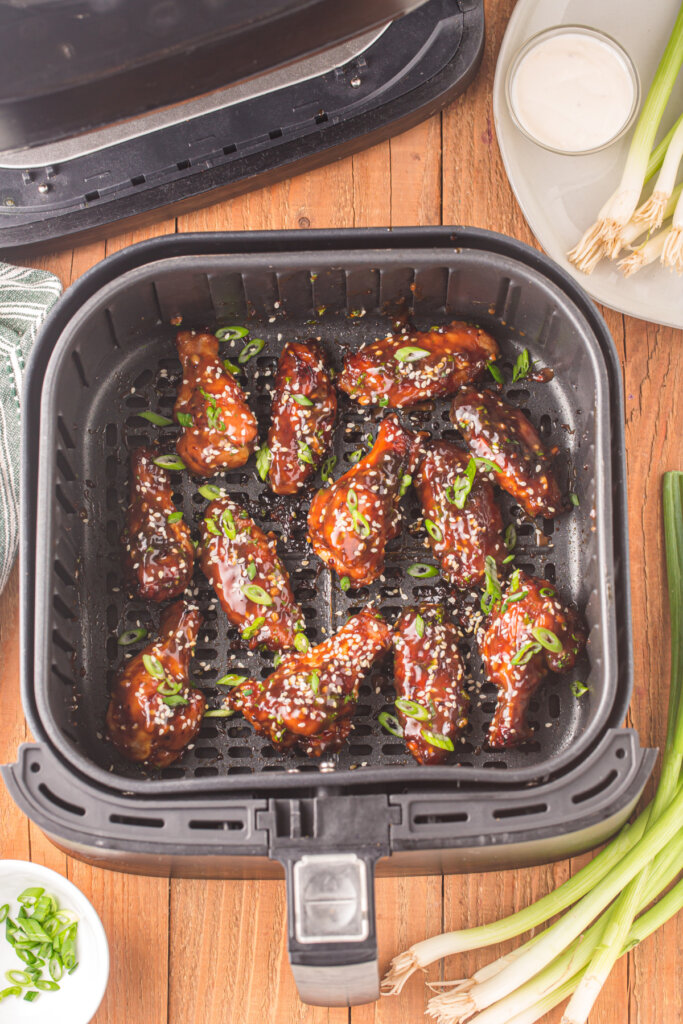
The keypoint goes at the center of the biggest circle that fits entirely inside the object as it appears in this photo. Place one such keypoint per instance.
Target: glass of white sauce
(572, 89)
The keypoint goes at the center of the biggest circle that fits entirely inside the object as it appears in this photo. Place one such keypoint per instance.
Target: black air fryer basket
(232, 806)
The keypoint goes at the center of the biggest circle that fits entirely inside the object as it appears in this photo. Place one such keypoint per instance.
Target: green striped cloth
(26, 297)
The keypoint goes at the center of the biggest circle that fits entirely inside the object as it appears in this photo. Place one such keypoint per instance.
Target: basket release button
(331, 898)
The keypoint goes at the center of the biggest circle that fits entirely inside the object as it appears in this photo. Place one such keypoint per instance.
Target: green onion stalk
(652, 212)
(652, 249)
(606, 897)
(672, 250)
(605, 235)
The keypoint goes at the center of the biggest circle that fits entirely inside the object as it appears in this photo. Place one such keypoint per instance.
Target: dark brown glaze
(310, 698)
(527, 603)
(224, 430)
(428, 671)
(468, 534)
(158, 555)
(456, 354)
(231, 542)
(140, 722)
(300, 435)
(351, 546)
(497, 431)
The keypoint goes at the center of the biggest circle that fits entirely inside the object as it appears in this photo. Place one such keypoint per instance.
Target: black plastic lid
(68, 67)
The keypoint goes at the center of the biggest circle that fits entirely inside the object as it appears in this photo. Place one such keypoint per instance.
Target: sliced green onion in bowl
(131, 636)
(56, 968)
(12, 990)
(18, 977)
(231, 333)
(547, 639)
(410, 354)
(412, 709)
(422, 571)
(169, 462)
(231, 680)
(156, 418)
(4, 911)
(390, 723)
(31, 996)
(437, 739)
(210, 492)
(256, 594)
(46, 986)
(251, 349)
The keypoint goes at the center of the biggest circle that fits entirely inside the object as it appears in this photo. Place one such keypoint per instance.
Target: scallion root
(651, 213)
(644, 254)
(672, 253)
(402, 968)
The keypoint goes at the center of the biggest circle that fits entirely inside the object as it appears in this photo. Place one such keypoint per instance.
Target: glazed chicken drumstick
(428, 677)
(242, 564)
(158, 551)
(303, 416)
(529, 633)
(310, 698)
(219, 428)
(351, 521)
(501, 434)
(403, 369)
(153, 712)
(461, 513)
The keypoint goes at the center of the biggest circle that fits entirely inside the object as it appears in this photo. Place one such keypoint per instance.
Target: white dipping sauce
(572, 92)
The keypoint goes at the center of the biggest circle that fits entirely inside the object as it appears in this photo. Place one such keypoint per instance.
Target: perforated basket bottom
(229, 746)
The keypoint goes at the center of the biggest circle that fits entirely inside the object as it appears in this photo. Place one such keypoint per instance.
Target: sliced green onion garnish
(495, 373)
(383, 401)
(419, 626)
(153, 666)
(219, 713)
(210, 492)
(156, 418)
(514, 598)
(12, 990)
(18, 977)
(547, 639)
(356, 456)
(47, 986)
(390, 723)
(263, 460)
(56, 968)
(547, 592)
(352, 500)
(327, 467)
(231, 333)
(345, 583)
(305, 454)
(487, 464)
(406, 481)
(31, 996)
(412, 709)
(174, 517)
(493, 592)
(169, 462)
(302, 400)
(256, 594)
(168, 687)
(578, 688)
(175, 701)
(211, 527)
(510, 537)
(410, 354)
(433, 530)
(437, 739)
(525, 653)
(251, 349)
(184, 419)
(522, 366)
(574, 498)
(251, 570)
(227, 521)
(4, 911)
(131, 636)
(422, 571)
(231, 680)
(301, 642)
(252, 629)
(314, 681)
(231, 367)
(361, 525)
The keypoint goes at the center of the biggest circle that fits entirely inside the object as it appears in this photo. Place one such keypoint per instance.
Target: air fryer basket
(118, 358)
(106, 354)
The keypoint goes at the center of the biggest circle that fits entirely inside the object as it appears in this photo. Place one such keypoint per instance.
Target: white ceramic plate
(80, 993)
(561, 195)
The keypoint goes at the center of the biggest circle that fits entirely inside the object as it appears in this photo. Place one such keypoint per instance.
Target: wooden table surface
(214, 952)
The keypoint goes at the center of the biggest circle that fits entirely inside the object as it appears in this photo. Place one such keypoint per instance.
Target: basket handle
(332, 940)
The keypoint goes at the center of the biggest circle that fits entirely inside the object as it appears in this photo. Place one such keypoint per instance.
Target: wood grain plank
(416, 175)
(14, 834)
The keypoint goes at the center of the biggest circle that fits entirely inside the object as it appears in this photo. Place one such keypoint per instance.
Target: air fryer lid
(68, 67)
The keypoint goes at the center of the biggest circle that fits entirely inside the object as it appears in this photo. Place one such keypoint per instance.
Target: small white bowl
(79, 993)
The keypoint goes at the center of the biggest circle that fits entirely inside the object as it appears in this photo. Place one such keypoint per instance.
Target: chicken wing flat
(219, 428)
(242, 564)
(500, 433)
(158, 550)
(153, 712)
(428, 677)
(304, 413)
(351, 521)
(529, 633)
(403, 369)
(310, 698)
(464, 521)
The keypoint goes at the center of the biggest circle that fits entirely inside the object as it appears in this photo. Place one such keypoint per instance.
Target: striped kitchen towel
(26, 297)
